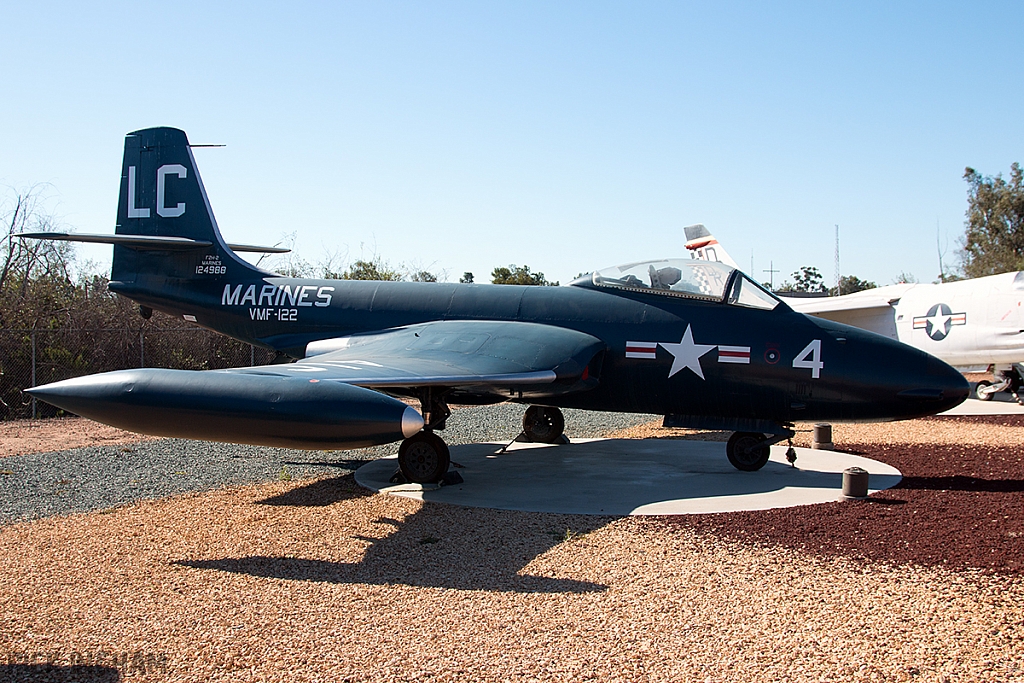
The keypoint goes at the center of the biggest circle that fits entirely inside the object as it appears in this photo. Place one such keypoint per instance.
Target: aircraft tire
(747, 462)
(983, 396)
(543, 425)
(424, 458)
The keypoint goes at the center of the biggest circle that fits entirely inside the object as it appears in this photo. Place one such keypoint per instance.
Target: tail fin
(703, 245)
(164, 220)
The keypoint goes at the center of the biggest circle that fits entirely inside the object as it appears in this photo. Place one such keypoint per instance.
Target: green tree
(377, 269)
(848, 284)
(518, 275)
(905, 278)
(994, 238)
(423, 276)
(466, 278)
(807, 279)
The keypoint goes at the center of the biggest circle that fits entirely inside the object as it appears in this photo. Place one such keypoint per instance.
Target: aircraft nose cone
(940, 388)
(917, 384)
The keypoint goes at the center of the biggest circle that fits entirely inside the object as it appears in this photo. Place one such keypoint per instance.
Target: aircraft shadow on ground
(440, 546)
(52, 673)
(349, 465)
(319, 493)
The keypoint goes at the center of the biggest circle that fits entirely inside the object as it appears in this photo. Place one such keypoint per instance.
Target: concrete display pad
(631, 477)
(1000, 404)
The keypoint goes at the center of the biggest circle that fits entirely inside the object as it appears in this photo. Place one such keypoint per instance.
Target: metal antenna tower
(837, 261)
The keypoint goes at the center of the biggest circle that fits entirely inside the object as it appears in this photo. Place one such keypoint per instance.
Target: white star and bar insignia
(939, 320)
(687, 353)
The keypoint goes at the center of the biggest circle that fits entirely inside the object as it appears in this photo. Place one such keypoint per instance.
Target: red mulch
(959, 506)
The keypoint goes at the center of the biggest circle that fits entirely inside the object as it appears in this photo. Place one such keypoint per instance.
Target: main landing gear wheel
(747, 451)
(424, 458)
(543, 425)
(982, 391)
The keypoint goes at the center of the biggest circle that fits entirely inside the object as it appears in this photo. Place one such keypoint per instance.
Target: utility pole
(771, 275)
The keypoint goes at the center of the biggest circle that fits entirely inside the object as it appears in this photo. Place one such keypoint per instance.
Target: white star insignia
(686, 354)
(939, 320)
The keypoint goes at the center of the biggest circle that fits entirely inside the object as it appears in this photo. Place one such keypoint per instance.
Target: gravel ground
(960, 503)
(98, 477)
(36, 436)
(319, 580)
(322, 582)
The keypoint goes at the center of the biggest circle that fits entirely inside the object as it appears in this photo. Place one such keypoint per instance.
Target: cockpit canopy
(690, 279)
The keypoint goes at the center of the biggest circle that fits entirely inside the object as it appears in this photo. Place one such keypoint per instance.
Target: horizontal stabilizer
(258, 249)
(144, 241)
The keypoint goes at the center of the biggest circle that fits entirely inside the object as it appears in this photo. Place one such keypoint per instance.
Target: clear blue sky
(566, 136)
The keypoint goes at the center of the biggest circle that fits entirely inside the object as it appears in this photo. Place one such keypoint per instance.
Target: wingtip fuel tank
(240, 408)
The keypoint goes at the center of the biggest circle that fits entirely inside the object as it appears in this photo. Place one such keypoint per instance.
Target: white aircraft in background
(970, 324)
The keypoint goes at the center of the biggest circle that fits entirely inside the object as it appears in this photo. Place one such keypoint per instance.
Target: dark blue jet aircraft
(695, 341)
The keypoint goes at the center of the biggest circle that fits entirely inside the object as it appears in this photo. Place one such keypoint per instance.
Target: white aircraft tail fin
(703, 245)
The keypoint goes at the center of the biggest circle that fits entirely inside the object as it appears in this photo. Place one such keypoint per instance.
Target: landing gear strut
(424, 458)
(543, 425)
(1009, 379)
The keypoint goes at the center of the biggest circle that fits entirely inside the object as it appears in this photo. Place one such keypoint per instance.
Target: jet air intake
(261, 410)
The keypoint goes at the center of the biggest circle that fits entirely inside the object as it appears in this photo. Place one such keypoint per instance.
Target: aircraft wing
(871, 309)
(477, 357)
(877, 298)
(824, 305)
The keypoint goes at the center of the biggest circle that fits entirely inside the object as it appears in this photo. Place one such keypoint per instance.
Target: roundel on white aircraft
(939, 320)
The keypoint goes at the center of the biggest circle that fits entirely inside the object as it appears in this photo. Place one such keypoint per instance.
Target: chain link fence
(29, 358)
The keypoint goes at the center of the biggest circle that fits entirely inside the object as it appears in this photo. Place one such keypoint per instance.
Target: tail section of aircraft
(166, 226)
(703, 245)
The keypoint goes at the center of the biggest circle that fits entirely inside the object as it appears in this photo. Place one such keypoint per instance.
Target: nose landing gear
(543, 425)
(749, 451)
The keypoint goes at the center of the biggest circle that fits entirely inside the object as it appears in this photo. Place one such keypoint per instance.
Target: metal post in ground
(34, 415)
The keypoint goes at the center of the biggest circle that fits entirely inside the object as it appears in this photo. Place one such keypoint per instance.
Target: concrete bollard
(822, 438)
(855, 483)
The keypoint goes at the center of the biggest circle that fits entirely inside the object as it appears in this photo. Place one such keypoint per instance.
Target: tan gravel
(19, 437)
(321, 581)
(937, 430)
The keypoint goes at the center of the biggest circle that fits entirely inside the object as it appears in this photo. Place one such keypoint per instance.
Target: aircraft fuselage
(750, 361)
